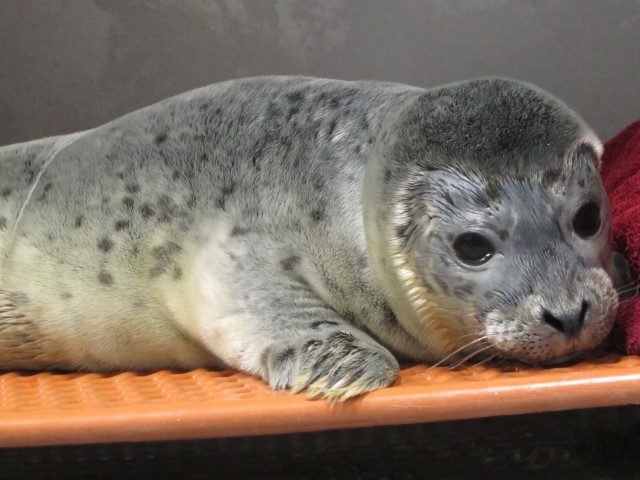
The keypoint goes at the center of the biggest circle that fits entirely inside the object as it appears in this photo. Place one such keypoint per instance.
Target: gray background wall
(67, 65)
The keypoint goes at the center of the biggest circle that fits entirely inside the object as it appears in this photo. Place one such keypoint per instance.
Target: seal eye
(473, 248)
(586, 223)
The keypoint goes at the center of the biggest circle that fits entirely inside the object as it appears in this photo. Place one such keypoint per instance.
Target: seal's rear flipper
(21, 343)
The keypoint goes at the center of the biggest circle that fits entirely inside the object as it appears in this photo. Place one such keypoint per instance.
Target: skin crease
(303, 230)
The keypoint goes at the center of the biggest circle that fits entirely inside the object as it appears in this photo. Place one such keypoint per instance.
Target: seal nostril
(583, 312)
(569, 323)
(551, 320)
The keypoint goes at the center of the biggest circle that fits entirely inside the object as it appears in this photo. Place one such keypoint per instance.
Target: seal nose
(567, 323)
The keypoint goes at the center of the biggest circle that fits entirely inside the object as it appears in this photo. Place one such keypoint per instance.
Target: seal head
(488, 225)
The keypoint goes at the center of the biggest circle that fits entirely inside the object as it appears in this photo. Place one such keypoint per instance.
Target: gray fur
(308, 189)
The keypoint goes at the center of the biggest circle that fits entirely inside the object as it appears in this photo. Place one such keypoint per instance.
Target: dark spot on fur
(127, 202)
(387, 175)
(239, 231)
(122, 224)
(503, 234)
(3, 223)
(156, 271)
(358, 148)
(146, 210)
(166, 208)
(66, 295)
(493, 192)
(548, 250)
(319, 213)
(317, 325)
(177, 273)
(132, 188)
(165, 251)
(161, 138)
(428, 287)
(49, 237)
(105, 278)
(581, 183)
(121, 176)
(318, 184)
(389, 317)
(228, 189)
(175, 175)
(48, 186)
(292, 113)
(6, 192)
(549, 177)
(489, 294)
(290, 262)
(105, 244)
(295, 97)
(332, 128)
(447, 197)
(78, 221)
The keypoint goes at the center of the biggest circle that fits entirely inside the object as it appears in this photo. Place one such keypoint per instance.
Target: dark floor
(587, 444)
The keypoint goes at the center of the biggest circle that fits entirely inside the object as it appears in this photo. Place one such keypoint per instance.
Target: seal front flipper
(293, 340)
(325, 356)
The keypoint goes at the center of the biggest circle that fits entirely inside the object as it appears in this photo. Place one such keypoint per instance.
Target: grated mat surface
(56, 408)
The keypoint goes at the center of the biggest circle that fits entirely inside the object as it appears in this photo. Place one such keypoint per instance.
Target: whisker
(482, 362)
(471, 355)
(631, 286)
(631, 282)
(440, 362)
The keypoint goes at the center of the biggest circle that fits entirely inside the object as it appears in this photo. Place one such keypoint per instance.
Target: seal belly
(71, 295)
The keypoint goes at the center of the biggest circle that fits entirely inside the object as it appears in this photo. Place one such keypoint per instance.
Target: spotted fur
(294, 228)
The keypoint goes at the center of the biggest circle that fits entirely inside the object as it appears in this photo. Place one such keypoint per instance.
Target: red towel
(621, 176)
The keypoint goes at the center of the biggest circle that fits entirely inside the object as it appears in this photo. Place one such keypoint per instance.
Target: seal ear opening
(588, 154)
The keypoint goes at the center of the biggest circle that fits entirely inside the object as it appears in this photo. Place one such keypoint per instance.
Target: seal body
(268, 224)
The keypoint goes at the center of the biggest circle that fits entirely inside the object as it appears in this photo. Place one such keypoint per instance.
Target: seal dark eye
(586, 223)
(473, 248)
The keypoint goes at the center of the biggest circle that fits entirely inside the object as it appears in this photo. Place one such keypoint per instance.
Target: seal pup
(310, 232)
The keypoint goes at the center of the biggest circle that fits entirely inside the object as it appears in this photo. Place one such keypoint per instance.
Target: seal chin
(569, 357)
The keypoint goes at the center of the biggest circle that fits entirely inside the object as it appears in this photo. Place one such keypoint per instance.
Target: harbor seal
(309, 231)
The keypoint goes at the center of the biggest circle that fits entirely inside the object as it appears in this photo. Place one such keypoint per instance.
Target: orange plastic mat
(55, 409)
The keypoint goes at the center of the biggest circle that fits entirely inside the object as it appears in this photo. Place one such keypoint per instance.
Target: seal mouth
(570, 357)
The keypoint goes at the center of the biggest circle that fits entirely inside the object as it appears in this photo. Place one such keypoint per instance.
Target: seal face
(501, 224)
(308, 231)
